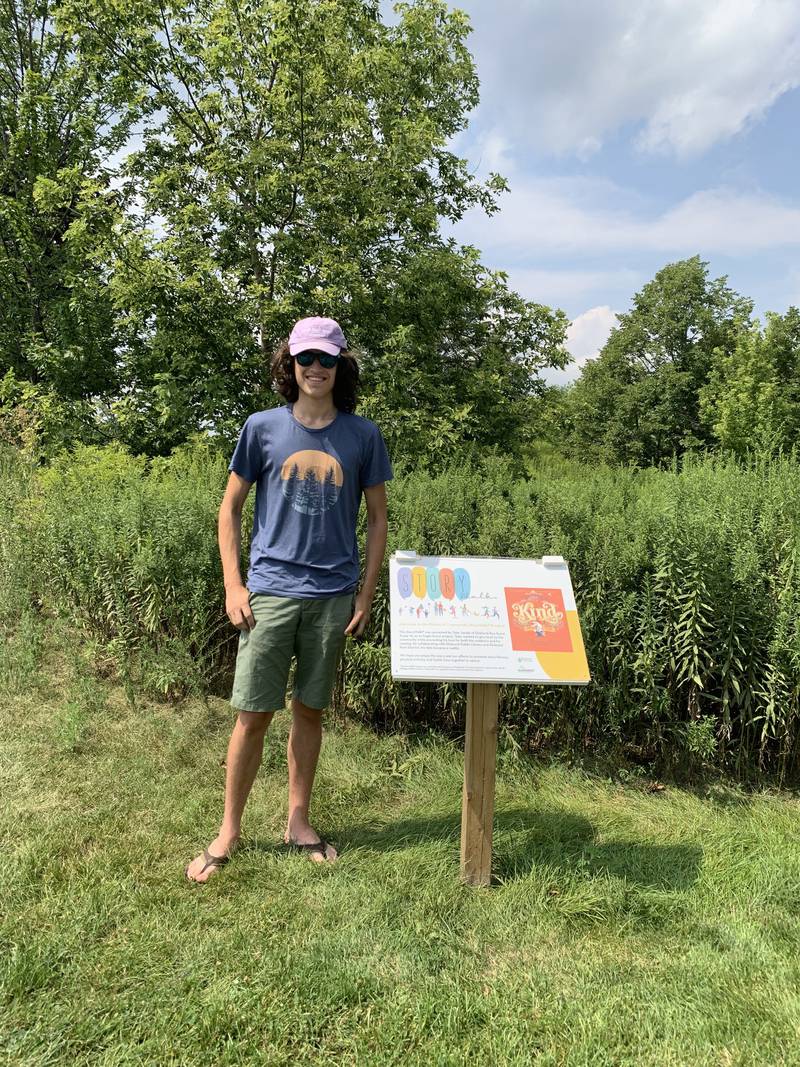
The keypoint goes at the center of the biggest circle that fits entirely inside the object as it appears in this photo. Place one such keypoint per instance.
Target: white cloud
(567, 76)
(589, 332)
(586, 335)
(563, 288)
(584, 215)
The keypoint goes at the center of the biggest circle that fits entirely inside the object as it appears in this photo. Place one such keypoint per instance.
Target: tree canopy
(180, 182)
(639, 401)
(283, 158)
(58, 129)
(751, 401)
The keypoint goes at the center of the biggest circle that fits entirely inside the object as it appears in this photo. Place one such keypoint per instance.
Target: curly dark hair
(345, 386)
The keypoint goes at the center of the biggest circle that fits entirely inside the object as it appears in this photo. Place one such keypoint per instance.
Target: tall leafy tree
(453, 357)
(639, 401)
(294, 161)
(752, 399)
(57, 130)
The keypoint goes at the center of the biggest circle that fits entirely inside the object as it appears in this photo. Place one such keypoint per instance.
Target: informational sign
(477, 619)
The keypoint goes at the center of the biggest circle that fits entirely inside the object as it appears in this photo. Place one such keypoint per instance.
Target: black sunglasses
(326, 360)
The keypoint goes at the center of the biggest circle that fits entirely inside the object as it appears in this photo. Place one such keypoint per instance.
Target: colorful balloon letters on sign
(433, 582)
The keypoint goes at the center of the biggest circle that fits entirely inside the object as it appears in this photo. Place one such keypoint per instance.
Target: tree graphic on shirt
(308, 490)
(290, 484)
(330, 490)
(307, 494)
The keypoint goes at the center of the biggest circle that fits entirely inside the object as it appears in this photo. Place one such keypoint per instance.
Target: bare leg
(245, 749)
(302, 754)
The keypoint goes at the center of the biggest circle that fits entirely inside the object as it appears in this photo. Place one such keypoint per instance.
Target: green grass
(624, 927)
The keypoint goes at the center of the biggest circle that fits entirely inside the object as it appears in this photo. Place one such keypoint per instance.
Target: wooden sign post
(486, 622)
(477, 804)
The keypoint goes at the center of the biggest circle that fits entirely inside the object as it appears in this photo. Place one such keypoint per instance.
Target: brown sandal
(210, 861)
(313, 846)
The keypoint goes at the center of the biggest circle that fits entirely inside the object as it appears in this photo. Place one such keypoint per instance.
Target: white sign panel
(476, 619)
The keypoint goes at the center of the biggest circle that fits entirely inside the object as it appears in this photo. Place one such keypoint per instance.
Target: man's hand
(361, 613)
(237, 606)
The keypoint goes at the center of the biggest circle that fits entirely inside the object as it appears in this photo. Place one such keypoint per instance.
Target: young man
(310, 459)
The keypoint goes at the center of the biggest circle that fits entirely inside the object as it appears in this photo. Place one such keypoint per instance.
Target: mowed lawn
(625, 927)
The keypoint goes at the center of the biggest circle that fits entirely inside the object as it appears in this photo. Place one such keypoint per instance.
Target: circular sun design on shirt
(311, 481)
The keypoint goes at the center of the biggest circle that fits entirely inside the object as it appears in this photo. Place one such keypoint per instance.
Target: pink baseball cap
(325, 335)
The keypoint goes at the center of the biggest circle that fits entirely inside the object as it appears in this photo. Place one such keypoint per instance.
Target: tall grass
(686, 582)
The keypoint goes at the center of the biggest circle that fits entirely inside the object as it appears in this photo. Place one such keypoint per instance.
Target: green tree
(452, 357)
(752, 399)
(57, 129)
(294, 161)
(639, 401)
(291, 153)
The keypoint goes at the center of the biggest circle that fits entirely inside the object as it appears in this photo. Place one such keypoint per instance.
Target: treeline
(180, 181)
(687, 369)
(688, 583)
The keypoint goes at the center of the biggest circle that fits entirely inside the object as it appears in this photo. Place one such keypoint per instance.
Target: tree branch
(56, 62)
(12, 8)
(10, 66)
(177, 67)
(150, 79)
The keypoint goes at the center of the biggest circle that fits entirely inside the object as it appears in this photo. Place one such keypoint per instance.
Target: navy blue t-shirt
(308, 491)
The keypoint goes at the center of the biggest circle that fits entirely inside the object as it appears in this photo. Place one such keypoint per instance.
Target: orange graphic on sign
(538, 620)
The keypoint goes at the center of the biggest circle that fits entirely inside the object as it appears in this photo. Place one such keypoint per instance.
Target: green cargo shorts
(311, 630)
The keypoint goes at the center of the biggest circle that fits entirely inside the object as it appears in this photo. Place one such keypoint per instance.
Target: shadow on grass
(257, 844)
(524, 840)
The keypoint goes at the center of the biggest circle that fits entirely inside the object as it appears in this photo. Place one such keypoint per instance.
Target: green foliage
(20, 652)
(294, 161)
(639, 401)
(59, 126)
(290, 158)
(452, 358)
(40, 421)
(686, 580)
(752, 399)
(16, 560)
(147, 583)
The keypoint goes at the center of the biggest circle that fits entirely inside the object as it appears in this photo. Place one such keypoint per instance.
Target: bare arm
(377, 528)
(229, 528)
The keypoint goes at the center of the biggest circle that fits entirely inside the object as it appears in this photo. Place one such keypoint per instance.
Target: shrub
(686, 581)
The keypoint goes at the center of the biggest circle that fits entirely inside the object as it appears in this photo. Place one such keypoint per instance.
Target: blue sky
(632, 135)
